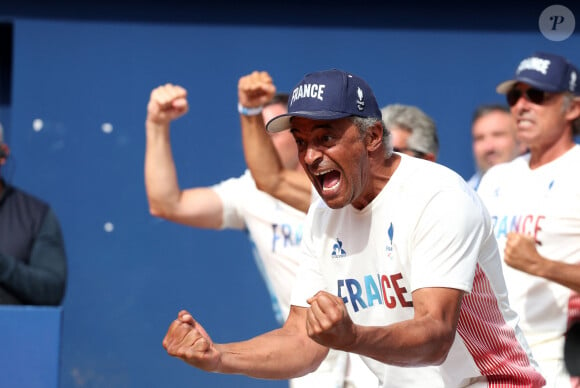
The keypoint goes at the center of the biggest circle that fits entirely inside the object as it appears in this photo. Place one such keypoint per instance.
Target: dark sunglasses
(533, 95)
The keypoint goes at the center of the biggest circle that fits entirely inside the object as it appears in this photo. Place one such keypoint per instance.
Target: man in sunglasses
(412, 131)
(534, 202)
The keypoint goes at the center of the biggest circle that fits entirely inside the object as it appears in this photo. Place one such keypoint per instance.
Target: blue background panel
(30, 346)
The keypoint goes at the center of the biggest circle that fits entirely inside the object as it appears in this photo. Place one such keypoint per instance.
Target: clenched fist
(187, 339)
(328, 322)
(167, 103)
(255, 89)
(521, 253)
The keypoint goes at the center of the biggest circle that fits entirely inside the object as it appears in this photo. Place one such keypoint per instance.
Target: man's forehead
(304, 125)
(521, 85)
(525, 86)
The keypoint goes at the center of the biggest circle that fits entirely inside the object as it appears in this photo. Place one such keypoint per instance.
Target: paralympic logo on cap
(360, 104)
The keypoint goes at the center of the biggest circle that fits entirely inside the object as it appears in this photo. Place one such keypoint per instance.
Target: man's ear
(573, 111)
(374, 137)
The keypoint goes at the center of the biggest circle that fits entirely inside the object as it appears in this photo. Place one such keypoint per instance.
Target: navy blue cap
(547, 72)
(328, 95)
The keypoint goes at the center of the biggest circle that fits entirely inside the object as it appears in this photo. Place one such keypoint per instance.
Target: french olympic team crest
(389, 247)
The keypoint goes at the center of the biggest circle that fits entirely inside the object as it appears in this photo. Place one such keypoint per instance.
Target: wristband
(249, 111)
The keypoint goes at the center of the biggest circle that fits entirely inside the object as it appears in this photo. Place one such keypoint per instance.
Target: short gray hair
(422, 127)
(569, 98)
(364, 123)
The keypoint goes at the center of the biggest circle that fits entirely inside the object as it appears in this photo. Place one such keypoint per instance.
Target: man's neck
(542, 155)
(381, 173)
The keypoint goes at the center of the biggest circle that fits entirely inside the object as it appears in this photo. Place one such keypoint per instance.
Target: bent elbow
(155, 212)
(440, 351)
(439, 358)
(315, 359)
(265, 186)
(158, 210)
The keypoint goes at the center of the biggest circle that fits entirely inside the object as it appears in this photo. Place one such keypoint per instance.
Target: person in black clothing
(32, 254)
(572, 350)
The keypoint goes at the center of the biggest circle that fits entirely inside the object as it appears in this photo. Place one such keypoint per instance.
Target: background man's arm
(199, 207)
(290, 186)
(521, 253)
(43, 280)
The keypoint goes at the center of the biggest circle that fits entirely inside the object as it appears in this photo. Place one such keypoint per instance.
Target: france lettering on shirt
(528, 224)
(376, 289)
(308, 91)
(283, 236)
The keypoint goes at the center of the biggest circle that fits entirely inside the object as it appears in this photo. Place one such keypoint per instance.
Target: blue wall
(76, 70)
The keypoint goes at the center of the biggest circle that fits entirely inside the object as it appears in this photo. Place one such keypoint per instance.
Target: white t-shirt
(275, 231)
(543, 203)
(426, 228)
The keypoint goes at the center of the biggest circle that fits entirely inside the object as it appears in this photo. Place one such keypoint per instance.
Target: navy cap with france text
(546, 72)
(328, 95)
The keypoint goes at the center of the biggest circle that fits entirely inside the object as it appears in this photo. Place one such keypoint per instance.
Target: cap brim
(282, 122)
(505, 86)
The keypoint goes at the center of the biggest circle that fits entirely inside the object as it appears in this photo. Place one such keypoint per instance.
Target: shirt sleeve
(233, 194)
(446, 241)
(43, 280)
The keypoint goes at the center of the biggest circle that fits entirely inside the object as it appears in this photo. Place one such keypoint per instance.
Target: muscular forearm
(409, 343)
(423, 340)
(279, 354)
(261, 156)
(263, 161)
(565, 274)
(521, 252)
(274, 355)
(160, 174)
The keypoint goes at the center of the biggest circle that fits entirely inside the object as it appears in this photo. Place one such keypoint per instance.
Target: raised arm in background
(199, 206)
(278, 174)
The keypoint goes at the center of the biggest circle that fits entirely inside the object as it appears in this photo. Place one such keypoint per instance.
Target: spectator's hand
(255, 89)
(521, 253)
(328, 322)
(187, 340)
(167, 103)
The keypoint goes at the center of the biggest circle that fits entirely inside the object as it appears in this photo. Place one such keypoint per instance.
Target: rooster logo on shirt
(337, 250)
